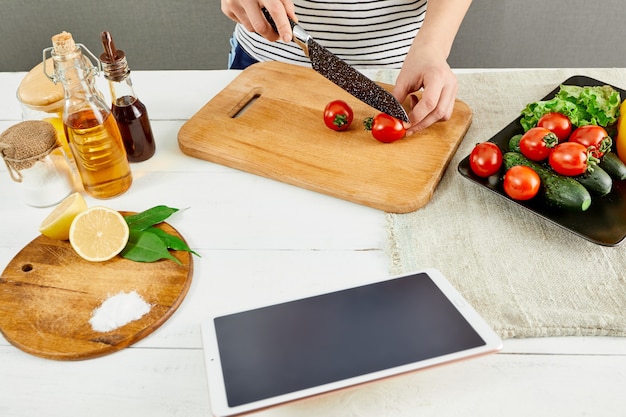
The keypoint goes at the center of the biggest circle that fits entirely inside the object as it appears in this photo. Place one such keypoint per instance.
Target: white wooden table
(262, 241)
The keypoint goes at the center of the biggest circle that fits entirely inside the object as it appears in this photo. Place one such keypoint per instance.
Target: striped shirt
(371, 33)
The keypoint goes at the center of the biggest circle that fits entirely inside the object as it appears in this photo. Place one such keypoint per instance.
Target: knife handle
(299, 36)
(270, 20)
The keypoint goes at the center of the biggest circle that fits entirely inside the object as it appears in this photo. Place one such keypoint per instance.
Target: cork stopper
(63, 43)
(25, 143)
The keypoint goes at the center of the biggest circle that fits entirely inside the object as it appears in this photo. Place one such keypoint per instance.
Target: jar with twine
(35, 159)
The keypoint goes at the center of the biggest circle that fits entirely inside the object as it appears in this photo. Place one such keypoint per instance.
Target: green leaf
(597, 105)
(171, 241)
(144, 246)
(150, 217)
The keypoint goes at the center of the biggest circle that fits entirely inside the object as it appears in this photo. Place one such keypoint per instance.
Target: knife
(330, 66)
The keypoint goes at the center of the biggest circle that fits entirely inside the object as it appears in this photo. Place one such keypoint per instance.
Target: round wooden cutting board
(48, 295)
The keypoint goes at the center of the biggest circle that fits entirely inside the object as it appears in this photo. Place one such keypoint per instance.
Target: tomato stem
(340, 120)
(551, 140)
(605, 145)
(592, 160)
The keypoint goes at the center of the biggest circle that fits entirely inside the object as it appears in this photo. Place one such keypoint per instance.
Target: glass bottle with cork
(129, 112)
(91, 130)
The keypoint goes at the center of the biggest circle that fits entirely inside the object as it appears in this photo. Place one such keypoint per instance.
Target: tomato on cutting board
(338, 115)
(385, 128)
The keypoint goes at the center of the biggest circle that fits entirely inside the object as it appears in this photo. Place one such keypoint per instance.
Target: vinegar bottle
(90, 128)
(130, 113)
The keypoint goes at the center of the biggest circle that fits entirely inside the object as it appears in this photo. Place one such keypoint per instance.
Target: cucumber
(614, 166)
(558, 190)
(597, 181)
(514, 143)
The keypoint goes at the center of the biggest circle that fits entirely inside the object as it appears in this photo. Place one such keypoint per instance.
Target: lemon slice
(98, 234)
(57, 224)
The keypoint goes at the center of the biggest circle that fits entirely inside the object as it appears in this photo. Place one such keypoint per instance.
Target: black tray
(603, 223)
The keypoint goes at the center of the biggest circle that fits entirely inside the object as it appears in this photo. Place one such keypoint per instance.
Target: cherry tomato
(569, 158)
(537, 143)
(521, 183)
(485, 159)
(385, 128)
(557, 123)
(594, 138)
(338, 115)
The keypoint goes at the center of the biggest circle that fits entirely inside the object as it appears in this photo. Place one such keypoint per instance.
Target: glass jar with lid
(39, 97)
(28, 150)
(42, 99)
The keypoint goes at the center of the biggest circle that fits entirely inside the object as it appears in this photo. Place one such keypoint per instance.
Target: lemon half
(57, 224)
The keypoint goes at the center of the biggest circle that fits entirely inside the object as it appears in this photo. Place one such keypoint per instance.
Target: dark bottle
(129, 112)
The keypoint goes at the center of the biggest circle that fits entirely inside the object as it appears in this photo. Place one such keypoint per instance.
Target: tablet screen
(275, 350)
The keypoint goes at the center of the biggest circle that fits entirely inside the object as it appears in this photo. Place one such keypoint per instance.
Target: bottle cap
(113, 60)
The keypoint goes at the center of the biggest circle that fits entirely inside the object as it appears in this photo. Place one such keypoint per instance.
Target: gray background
(194, 34)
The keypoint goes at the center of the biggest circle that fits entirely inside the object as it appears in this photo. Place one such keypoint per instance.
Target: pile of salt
(118, 310)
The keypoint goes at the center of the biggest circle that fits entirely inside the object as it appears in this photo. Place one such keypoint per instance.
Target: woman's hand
(426, 66)
(430, 72)
(248, 13)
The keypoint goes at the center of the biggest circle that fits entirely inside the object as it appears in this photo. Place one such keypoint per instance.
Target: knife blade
(349, 79)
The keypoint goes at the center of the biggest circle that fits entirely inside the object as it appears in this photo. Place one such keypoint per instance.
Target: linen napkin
(525, 276)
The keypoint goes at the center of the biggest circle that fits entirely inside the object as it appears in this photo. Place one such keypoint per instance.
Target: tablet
(284, 352)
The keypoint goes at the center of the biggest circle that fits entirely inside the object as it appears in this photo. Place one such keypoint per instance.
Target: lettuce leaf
(597, 105)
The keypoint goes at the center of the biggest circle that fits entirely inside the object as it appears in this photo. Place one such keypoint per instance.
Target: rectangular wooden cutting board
(268, 121)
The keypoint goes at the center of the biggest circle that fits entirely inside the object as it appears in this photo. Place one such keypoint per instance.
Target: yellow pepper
(620, 140)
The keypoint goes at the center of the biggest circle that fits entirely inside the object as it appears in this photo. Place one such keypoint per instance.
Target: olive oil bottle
(90, 127)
